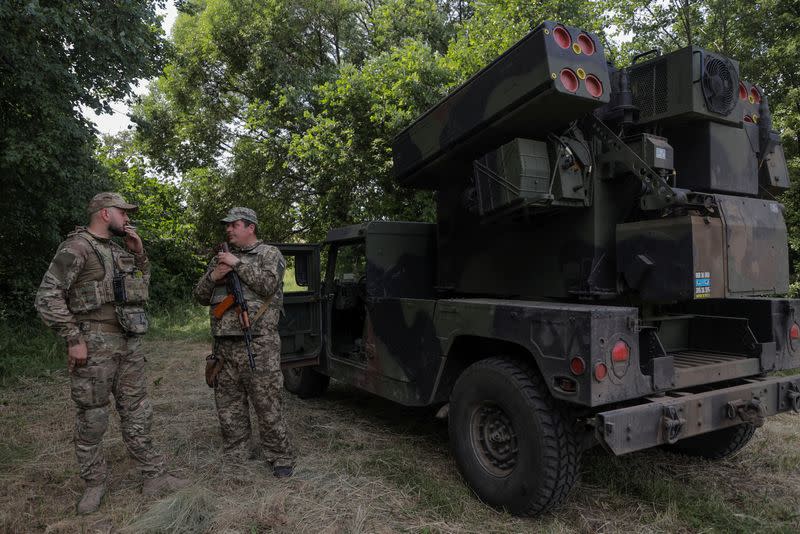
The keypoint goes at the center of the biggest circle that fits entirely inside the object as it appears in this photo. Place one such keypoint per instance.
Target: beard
(117, 230)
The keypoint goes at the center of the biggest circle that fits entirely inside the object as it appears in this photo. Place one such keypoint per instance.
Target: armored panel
(655, 151)
(716, 157)
(517, 171)
(673, 259)
(548, 79)
(690, 83)
(401, 259)
(757, 246)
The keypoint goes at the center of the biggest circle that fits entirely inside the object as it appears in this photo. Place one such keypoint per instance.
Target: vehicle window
(290, 284)
(350, 262)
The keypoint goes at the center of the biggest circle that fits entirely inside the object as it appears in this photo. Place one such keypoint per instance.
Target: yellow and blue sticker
(702, 285)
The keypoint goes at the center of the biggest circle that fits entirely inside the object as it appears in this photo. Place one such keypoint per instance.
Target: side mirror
(301, 268)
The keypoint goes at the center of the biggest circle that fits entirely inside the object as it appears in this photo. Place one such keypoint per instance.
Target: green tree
(56, 57)
(161, 220)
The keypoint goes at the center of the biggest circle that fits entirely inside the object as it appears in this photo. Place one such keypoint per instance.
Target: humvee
(608, 266)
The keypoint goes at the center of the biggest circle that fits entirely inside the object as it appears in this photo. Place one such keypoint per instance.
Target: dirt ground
(364, 465)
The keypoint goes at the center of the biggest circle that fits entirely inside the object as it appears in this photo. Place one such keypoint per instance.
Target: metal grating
(649, 89)
(698, 358)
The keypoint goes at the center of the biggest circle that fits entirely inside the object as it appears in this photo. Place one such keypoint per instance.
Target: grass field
(364, 465)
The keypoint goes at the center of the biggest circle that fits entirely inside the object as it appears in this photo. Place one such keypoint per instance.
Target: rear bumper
(680, 415)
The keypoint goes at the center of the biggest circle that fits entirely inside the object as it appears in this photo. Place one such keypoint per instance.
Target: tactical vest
(228, 324)
(110, 288)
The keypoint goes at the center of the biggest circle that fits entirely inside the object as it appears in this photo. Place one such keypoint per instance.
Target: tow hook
(672, 424)
(794, 397)
(751, 411)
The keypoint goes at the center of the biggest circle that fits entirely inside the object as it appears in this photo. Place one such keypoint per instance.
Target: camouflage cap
(108, 199)
(240, 213)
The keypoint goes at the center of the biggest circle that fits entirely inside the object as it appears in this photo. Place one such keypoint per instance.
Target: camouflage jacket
(261, 273)
(78, 287)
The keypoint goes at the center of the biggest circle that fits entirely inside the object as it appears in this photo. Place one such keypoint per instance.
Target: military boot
(163, 483)
(90, 501)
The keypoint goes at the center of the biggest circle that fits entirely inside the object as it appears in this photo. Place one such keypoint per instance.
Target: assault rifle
(236, 298)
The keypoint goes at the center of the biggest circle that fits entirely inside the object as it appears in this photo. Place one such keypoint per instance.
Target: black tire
(305, 382)
(716, 445)
(530, 462)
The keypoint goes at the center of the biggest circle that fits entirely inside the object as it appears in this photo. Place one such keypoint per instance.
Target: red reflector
(569, 80)
(794, 331)
(562, 37)
(620, 352)
(577, 366)
(600, 372)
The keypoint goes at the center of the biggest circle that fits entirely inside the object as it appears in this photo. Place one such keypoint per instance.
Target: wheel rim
(493, 439)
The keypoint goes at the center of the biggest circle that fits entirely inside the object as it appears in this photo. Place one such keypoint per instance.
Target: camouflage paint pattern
(64, 298)
(567, 282)
(116, 366)
(239, 387)
(523, 89)
(261, 270)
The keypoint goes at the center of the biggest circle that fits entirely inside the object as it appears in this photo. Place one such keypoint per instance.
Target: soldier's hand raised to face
(76, 355)
(133, 241)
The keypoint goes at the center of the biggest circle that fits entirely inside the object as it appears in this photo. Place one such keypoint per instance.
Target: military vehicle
(606, 267)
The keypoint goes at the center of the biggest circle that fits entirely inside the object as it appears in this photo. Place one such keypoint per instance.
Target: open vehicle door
(300, 325)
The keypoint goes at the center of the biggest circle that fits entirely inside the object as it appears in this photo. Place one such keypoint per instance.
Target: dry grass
(365, 465)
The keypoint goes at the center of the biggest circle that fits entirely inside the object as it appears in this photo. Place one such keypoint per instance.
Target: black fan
(720, 85)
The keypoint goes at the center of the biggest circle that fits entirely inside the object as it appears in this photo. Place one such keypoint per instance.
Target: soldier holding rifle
(244, 289)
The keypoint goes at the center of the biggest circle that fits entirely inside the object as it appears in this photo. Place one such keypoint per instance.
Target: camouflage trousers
(237, 384)
(115, 367)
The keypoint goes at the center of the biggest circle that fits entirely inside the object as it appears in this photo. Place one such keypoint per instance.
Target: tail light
(794, 332)
(600, 372)
(621, 352)
(577, 366)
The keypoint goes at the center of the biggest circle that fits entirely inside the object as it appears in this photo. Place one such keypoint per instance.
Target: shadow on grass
(680, 492)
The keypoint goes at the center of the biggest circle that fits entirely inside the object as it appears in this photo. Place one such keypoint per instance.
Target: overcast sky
(118, 121)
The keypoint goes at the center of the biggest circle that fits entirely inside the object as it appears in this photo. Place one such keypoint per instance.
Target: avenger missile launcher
(608, 266)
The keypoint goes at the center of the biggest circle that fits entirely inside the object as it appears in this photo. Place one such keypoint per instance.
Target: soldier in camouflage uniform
(260, 268)
(93, 295)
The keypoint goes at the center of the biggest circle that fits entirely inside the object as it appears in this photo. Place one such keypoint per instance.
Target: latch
(751, 411)
(672, 424)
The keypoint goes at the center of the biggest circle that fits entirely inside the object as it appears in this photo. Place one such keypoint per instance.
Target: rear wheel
(305, 382)
(716, 445)
(512, 443)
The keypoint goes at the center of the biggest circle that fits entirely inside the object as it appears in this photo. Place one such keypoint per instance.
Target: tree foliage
(56, 57)
(291, 106)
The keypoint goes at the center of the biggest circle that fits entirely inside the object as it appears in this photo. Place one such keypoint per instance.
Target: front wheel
(512, 443)
(305, 382)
